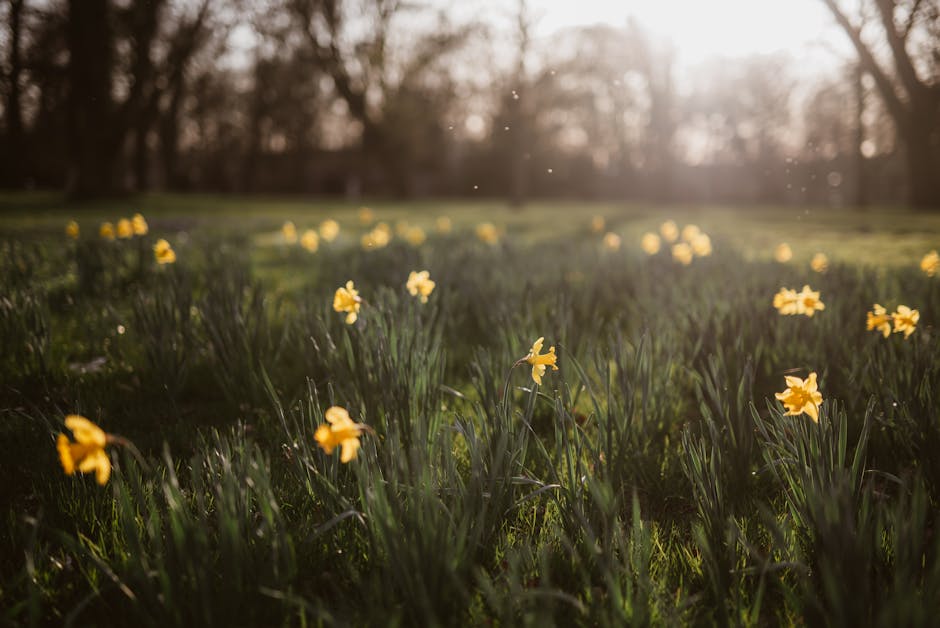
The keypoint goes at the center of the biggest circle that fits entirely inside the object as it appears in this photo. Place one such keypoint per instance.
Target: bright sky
(698, 28)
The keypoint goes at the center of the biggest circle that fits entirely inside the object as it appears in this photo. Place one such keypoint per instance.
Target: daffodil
(139, 223)
(612, 241)
(342, 432)
(329, 230)
(540, 362)
(487, 233)
(415, 236)
(347, 300)
(163, 252)
(819, 263)
(801, 396)
(787, 301)
(87, 453)
(690, 232)
(783, 253)
(125, 229)
(930, 263)
(597, 224)
(650, 243)
(310, 240)
(879, 319)
(669, 231)
(682, 253)
(443, 224)
(289, 231)
(106, 231)
(420, 285)
(808, 302)
(72, 230)
(377, 238)
(905, 320)
(701, 245)
(366, 216)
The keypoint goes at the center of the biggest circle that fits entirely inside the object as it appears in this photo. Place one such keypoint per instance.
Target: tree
(911, 29)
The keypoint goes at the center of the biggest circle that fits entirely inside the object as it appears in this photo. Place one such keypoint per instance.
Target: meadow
(654, 478)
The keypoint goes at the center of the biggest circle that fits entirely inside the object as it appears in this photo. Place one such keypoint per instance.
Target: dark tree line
(388, 97)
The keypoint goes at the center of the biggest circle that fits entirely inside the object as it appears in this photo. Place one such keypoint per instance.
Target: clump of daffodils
(139, 225)
(790, 302)
(106, 231)
(347, 300)
(420, 285)
(86, 453)
(340, 431)
(682, 253)
(783, 253)
(125, 229)
(378, 238)
(72, 230)
(801, 396)
(163, 252)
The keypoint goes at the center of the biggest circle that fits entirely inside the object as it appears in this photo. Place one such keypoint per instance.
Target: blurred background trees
(388, 97)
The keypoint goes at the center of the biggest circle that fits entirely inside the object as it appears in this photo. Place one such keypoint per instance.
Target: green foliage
(652, 480)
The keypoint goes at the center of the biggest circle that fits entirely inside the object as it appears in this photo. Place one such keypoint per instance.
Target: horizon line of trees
(385, 97)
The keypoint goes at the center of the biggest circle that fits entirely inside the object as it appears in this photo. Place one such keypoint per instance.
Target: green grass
(652, 479)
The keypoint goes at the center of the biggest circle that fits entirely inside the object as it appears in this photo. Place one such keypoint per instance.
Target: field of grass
(652, 479)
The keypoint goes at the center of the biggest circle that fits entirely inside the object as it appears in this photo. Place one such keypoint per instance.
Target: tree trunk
(14, 156)
(923, 161)
(90, 144)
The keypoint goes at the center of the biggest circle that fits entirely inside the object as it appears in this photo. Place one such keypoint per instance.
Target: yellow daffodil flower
(930, 263)
(347, 300)
(106, 231)
(650, 243)
(342, 432)
(612, 241)
(87, 453)
(310, 240)
(415, 236)
(125, 229)
(139, 223)
(597, 224)
(783, 253)
(72, 230)
(878, 319)
(163, 252)
(443, 224)
(808, 302)
(378, 237)
(329, 230)
(669, 231)
(366, 216)
(905, 320)
(682, 253)
(690, 232)
(787, 301)
(540, 362)
(289, 231)
(420, 285)
(701, 245)
(487, 233)
(819, 263)
(801, 396)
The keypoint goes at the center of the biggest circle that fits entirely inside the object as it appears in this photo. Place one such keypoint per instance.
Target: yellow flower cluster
(347, 299)
(684, 246)
(905, 320)
(783, 253)
(819, 263)
(126, 228)
(378, 238)
(340, 431)
(310, 239)
(789, 302)
(487, 233)
(163, 252)
(420, 285)
(930, 263)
